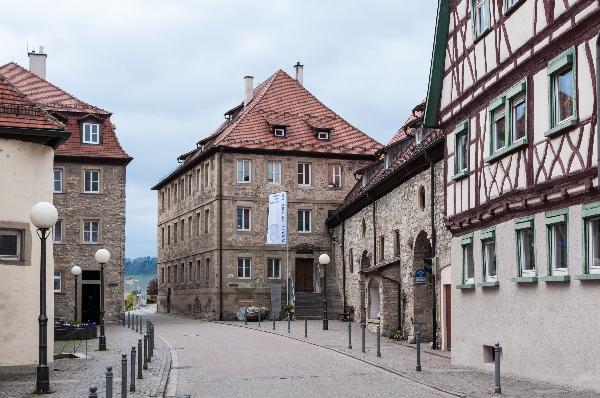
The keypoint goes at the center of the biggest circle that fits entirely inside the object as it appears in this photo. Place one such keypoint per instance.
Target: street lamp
(102, 257)
(324, 260)
(43, 215)
(76, 271)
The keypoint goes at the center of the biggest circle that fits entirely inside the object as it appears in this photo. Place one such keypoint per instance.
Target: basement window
(10, 244)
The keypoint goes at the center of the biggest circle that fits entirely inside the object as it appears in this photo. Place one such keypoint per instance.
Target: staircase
(311, 306)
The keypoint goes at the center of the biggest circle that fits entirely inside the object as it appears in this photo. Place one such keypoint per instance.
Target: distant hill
(140, 266)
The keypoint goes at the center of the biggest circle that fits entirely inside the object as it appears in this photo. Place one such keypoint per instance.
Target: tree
(152, 288)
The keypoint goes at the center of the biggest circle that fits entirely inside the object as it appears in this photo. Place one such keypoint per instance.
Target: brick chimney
(37, 62)
(248, 89)
(299, 72)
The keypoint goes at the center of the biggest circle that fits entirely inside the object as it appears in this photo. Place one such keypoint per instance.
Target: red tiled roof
(55, 100)
(17, 111)
(281, 100)
(412, 123)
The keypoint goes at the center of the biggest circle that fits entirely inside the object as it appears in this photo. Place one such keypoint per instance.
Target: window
(189, 272)
(350, 261)
(561, 73)
(279, 132)
(207, 173)
(243, 170)
(381, 248)
(467, 262)
(509, 3)
(303, 220)
(303, 173)
(175, 192)
(525, 247)
(58, 180)
(363, 228)
(274, 172)
(198, 224)
(198, 268)
(162, 237)
(557, 240)
(517, 117)
(175, 233)
(168, 234)
(274, 268)
(57, 232)
(243, 219)
(386, 161)
(591, 214)
(183, 229)
(162, 275)
(489, 259)
(91, 133)
(397, 243)
(57, 281)
(181, 272)
(421, 198)
(244, 268)
(323, 134)
(91, 181)
(498, 129)
(189, 226)
(481, 17)
(10, 244)
(336, 175)
(90, 231)
(206, 220)
(461, 149)
(207, 270)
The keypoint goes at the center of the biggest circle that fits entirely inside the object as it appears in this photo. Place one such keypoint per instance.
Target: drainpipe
(433, 251)
(598, 106)
(220, 204)
(374, 233)
(344, 263)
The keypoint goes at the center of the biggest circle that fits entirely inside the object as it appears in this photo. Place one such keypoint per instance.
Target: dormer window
(386, 161)
(279, 132)
(91, 133)
(323, 134)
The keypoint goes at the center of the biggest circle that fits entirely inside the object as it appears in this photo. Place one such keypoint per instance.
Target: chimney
(37, 62)
(248, 89)
(299, 72)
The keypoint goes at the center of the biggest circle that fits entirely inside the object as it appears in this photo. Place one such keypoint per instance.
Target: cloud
(168, 70)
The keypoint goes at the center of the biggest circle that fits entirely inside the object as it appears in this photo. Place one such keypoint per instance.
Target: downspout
(374, 205)
(433, 247)
(344, 264)
(598, 107)
(220, 204)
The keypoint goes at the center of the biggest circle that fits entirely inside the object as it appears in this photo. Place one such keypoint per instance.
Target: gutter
(220, 203)
(598, 106)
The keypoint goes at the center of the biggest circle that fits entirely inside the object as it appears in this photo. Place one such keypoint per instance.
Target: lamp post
(102, 257)
(76, 271)
(43, 215)
(324, 260)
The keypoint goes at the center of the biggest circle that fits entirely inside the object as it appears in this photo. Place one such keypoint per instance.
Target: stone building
(28, 138)
(89, 193)
(389, 224)
(512, 88)
(213, 208)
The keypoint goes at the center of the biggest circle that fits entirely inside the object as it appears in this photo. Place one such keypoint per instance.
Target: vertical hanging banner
(277, 232)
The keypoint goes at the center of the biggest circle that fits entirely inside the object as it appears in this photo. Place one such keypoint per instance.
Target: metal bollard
(289, 316)
(418, 338)
(151, 344)
(140, 359)
(497, 350)
(273, 316)
(305, 327)
(378, 341)
(109, 382)
(124, 375)
(123, 318)
(349, 335)
(132, 385)
(258, 318)
(245, 316)
(362, 331)
(129, 319)
(135, 322)
(93, 390)
(145, 352)
(141, 325)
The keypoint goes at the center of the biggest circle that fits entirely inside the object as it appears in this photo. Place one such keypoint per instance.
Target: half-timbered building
(512, 85)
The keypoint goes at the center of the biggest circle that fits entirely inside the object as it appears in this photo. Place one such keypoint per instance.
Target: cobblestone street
(72, 378)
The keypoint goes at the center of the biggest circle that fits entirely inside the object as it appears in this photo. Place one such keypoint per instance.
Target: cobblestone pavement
(400, 359)
(73, 377)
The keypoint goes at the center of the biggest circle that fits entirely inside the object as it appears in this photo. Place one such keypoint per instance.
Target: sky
(168, 70)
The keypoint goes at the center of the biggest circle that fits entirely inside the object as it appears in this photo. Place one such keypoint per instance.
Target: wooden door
(304, 275)
(448, 315)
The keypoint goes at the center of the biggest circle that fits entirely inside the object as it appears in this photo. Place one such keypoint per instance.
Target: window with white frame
(498, 129)
(593, 245)
(304, 220)
(461, 148)
(274, 172)
(323, 134)
(244, 221)
(274, 268)
(91, 133)
(481, 17)
(244, 265)
(91, 231)
(525, 247)
(561, 72)
(468, 265)
(279, 132)
(557, 250)
(10, 244)
(488, 247)
(335, 171)
(304, 174)
(517, 117)
(243, 170)
(57, 232)
(58, 180)
(91, 181)
(57, 281)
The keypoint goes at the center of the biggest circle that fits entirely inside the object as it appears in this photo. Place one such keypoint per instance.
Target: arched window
(421, 198)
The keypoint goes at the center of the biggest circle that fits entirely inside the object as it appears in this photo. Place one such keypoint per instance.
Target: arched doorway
(374, 300)
(422, 292)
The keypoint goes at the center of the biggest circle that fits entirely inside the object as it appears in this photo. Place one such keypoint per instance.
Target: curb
(382, 367)
(170, 386)
(159, 391)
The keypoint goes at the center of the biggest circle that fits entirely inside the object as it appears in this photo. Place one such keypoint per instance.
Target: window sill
(488, 284)
(466, 286)
(525, 279)
(481, 35)
(460, 175)
(521, 143)
(556, 278)
(565, 124)
(587, 277)
(20, 263)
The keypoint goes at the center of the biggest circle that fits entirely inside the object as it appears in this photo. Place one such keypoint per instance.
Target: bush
(398, 335)
(152, 288)
(130, 301)
(287, 309)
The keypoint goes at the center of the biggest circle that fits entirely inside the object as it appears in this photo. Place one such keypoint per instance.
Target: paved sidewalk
(73, 377)
(400, 359)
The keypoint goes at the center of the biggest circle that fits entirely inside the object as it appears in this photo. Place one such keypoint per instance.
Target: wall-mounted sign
(420, 276)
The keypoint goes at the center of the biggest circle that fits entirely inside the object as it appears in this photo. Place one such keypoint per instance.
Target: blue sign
(420, 276)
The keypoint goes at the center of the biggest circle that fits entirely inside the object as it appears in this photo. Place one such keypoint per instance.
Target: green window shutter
(489, 233)
(591, 210)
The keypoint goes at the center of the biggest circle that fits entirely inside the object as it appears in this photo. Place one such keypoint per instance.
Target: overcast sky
(168, 70)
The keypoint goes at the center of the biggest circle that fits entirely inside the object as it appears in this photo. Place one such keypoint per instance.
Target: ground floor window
(274, 268)
(593, 245)
(374, 302)
(468, 266)
(10, 244)
(489, 259)
(525, 248)
(244, 268)
(57, 281)
(557, 240)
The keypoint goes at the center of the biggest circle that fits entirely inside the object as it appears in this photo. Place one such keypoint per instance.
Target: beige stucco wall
(553, 322)
(25, 178)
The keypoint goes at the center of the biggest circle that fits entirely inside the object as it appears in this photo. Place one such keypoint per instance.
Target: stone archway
(422, 293)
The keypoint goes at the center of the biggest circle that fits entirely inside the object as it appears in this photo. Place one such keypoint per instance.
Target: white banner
(277, 233)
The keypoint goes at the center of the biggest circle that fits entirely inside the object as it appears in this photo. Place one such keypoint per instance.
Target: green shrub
(398, 335)
(130, 301)
(287, 309)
